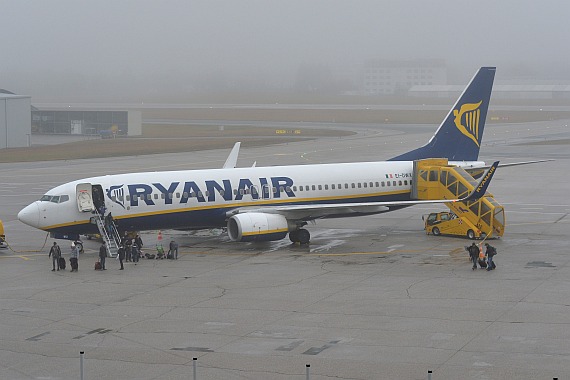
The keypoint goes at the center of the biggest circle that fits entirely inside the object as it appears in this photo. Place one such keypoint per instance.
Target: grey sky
(145, 42)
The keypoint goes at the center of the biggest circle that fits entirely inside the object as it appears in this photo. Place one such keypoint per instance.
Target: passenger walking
(474, 254)
(129, 248)
(490, 252)
(121, 256)
(74, 258)
(102, 255)
(55, 254)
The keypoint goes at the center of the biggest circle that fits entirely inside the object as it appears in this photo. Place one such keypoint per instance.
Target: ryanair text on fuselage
(264, 189)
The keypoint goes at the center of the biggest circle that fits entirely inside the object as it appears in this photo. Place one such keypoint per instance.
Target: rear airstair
(109, 233)
(435, 179)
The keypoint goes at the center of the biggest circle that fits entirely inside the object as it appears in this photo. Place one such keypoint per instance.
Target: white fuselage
(194, 199)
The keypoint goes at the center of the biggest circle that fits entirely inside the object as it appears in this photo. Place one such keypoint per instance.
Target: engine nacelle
(257, 226)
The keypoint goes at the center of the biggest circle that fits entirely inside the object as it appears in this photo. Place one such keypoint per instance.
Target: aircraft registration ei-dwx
(266, 203)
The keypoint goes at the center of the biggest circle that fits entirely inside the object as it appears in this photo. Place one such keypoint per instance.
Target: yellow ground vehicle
(435, 179)
(2, 236)
(447, 223)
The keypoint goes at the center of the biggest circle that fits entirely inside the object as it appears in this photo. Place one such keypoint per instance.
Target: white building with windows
(396, 77)
(15, 120)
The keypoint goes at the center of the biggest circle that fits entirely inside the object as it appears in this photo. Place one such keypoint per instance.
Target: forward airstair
(109, 233)
(436, 179)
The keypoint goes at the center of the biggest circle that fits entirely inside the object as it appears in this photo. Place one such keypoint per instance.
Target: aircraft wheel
(470, 234)
(294, 236)
(436, 231)
(304, 236)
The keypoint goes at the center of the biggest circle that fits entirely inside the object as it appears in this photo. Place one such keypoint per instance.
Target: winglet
(481, 188)
(231, 161)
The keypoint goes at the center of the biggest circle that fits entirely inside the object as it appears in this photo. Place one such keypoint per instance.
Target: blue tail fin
(458, 138)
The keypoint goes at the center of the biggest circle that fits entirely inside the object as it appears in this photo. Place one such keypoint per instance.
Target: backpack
(491, 251)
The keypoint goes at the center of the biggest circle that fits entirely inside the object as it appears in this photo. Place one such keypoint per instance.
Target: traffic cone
(159, 235)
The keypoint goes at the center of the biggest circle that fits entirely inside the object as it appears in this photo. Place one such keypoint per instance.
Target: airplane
(266, 203)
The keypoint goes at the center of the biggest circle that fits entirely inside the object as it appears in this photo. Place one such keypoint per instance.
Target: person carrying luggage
(490, 252)
(55, 254)
(74, 258)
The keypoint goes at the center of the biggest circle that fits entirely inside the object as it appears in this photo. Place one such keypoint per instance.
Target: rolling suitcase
(61, 263)
(97, 265)
(482, 263)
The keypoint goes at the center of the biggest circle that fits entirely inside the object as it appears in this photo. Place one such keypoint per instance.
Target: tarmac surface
(369, 298)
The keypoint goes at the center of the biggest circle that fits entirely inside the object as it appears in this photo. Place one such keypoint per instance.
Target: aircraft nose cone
(30, 215)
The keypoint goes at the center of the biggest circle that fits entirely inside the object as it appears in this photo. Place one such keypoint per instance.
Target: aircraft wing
(317, 211)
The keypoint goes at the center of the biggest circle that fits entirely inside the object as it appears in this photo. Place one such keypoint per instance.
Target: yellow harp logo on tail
(467, 120)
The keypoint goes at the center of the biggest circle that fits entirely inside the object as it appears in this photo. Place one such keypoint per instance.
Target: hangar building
(15, 120)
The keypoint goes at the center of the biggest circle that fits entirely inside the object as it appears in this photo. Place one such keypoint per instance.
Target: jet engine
(257, 226)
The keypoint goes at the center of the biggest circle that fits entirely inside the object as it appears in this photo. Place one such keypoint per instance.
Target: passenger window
(400, 183)
(185, 194)
(332, 187)
(149, 197)
(300, 188)
(221, 192)
(313, 187)
(240, 191)
(235, 192)
(394, 183)
(371, 184)
(327, 187)
(128, 198)
(294, 188)
(353, 186)
(177, 195)
(388, 183)
(155, 196)
(406, 182)
(307, 188)
(365, 184)
(162, 196)
(320, 187)
(359, 185)
(377, 184)
(200, 194)
(346, 185)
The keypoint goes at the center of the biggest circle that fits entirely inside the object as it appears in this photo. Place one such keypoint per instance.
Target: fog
(64, 50)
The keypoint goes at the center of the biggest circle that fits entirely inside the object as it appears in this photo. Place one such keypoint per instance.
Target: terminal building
(396, 77)
(15, 126)
(106, 123)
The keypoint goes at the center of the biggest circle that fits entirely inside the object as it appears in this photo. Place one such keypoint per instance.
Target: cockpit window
(54, 198)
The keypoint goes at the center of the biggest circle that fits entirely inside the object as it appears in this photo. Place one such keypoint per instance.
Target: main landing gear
(301, 236)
